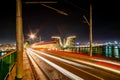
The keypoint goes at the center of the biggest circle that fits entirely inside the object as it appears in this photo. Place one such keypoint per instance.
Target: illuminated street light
(32, 36)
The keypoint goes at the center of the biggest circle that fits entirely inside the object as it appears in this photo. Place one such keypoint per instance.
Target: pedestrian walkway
(27, 70)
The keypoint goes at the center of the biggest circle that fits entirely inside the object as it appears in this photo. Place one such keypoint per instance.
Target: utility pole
(19, 40)
(90, 29)
(90, 25)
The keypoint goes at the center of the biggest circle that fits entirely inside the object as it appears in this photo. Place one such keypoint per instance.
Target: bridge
(58, 61)
(37, 62)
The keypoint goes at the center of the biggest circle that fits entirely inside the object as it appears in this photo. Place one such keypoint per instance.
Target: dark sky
(106, 20)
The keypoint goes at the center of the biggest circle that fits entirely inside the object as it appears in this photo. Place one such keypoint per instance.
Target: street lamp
(32, 36)
(90, 25)
(19, 36)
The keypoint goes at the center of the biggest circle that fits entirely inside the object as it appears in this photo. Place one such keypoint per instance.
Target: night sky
(47, 22)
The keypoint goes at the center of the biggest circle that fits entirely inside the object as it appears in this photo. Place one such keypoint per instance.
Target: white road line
(115, 63)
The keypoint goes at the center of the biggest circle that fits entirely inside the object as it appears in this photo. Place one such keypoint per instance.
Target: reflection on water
(112, 51)
(108, 51)
(105, 50)
(116, 51)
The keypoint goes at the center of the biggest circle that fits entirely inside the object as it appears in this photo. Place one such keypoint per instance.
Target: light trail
(115, 63)
(63, 60)
(37, 69)
(69, 62)
(96, 65)
(62, 70)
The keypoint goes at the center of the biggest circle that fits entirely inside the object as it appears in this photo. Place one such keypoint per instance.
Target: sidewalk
(27, 70)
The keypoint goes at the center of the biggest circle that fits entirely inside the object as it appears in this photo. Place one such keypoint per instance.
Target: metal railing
(7, 61)
(108, 51)
(112, 51)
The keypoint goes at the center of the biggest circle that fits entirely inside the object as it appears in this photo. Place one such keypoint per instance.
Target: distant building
(70, 41)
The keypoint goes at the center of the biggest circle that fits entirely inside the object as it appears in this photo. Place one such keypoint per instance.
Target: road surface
(60, 67)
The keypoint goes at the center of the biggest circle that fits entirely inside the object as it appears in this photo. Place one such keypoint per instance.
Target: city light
(32, 36)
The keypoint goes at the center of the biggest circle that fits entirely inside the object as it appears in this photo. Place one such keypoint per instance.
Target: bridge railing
(108, 50)
(112, 51)
(7, 62)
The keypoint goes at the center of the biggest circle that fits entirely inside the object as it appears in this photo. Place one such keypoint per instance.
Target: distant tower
(70, 41)
(64, 41)
(58, 39)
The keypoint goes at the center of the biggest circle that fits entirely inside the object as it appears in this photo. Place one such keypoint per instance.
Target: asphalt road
(72, 68)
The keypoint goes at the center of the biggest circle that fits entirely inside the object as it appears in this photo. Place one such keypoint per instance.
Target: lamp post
(90, 25)
(19, 40)
(19, 35)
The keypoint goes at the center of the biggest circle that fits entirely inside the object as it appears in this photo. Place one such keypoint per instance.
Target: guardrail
(7, 61)
(106, 50)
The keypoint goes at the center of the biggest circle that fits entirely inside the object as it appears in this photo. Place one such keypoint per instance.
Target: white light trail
(63, 60)
(96, 65)
(93, 64)
(62, 70)
(37, 69)
(115, 63)
(69, 62)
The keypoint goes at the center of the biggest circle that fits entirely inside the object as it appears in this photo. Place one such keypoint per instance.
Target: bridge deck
(27, 70)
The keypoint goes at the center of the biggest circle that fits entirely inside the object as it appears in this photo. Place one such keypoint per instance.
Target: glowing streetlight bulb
(32, 36)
